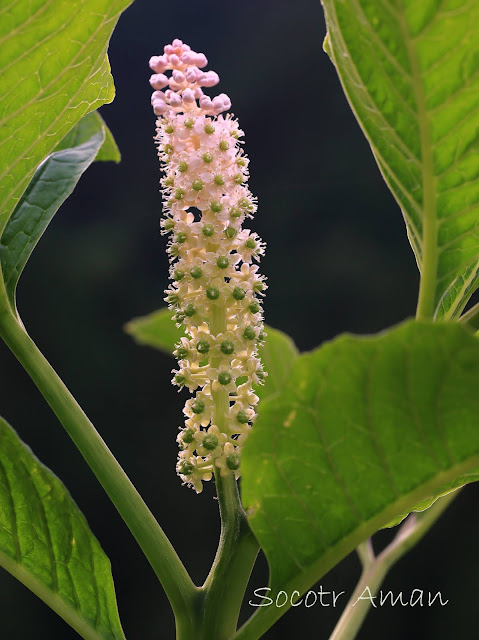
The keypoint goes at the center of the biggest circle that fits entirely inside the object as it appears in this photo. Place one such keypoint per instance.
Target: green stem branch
(375, 568)
(157, 548)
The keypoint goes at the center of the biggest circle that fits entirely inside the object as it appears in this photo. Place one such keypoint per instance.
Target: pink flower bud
(205, 102)
(159, 107)
(201, 60)
(158, 63)
(190, 75)
(174, 60)
(158, 81)
(226, 101)
(217, 103)
(210, 79)
(168, 49)
(177, 42)
(175, 99)
(178, 76)
(188, 57)
(157, 95)
(188, 96)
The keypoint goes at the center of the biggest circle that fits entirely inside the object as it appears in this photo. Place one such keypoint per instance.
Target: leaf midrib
(427, 288)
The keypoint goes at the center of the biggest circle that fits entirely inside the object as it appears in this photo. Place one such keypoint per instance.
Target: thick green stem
(168, 567)
(375, 568)
(227, 581)
(237, 550)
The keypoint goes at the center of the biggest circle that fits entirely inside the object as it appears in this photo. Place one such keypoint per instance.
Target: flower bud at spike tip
(214, 290)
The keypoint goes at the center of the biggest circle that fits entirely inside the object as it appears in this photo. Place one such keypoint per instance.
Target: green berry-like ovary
(181, 237)
(212, 293)
(197, 406)
(181, 353)
(208, 230)
(224, 377)
(231, 232)
(210, 442)
(249, 333)
(196, 272)
(238, 293)
(185, 468)
(227, 347)
(216, 207)
(187, 435)
(203, 346)
(222, 262)
(233, 461)
(242, 417)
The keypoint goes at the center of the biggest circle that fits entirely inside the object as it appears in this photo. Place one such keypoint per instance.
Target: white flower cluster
(216, 289)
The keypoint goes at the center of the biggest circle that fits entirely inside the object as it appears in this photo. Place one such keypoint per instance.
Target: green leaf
(45, 542)
(156, 330)
(88, 126)
(365, 431)
(410, 70)
(52, 183)
(54, 70)
(277, 354)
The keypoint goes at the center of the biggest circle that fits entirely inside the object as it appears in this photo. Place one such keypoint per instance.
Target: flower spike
(216, 289)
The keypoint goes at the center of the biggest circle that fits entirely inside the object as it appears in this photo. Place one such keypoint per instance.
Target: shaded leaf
(54, 70)
(277, 354)
(366, 430)
(411, 73)
(52, 183)
(84, 130)
(45, 542)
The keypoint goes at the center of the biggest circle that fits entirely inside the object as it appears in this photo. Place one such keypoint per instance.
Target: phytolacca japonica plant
(331, 445)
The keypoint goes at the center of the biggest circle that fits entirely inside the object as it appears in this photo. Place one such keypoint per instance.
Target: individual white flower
(229, 461)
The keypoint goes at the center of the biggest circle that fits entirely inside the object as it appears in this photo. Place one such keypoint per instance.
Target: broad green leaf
(54, 70)
(52, 183)
(45, 542)
(278, 353)
(365, 431)
(410, 69)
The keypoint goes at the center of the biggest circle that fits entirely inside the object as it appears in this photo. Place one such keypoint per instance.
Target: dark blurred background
(337, 260)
